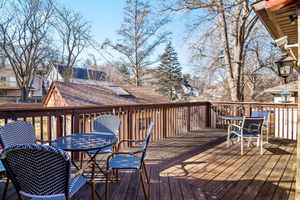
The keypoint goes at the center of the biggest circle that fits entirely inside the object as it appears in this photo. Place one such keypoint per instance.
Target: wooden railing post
(49, 124)
(75, 125)
(59, 126)
(248, 110)
(129, 126)
(164, 122)
(208, 115)
(188, 118)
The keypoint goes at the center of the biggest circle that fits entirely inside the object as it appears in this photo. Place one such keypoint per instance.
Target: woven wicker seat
(47, 172)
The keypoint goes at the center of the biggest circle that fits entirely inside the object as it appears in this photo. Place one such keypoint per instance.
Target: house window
(2, 78)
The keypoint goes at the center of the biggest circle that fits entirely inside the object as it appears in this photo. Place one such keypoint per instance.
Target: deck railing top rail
(255, 103)
(107, 107)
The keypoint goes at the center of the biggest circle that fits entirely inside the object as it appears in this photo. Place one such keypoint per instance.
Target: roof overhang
(274, 14)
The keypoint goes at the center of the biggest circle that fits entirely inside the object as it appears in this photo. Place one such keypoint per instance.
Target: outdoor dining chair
(42, 172)
(17, 132)
(265, 115)
(130, 160)
(105, 124)
(250, 128)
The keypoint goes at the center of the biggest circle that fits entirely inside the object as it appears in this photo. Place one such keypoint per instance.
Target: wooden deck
(198, 165)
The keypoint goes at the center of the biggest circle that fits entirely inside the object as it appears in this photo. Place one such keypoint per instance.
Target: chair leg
(267, 130)
(93, 183)
(257, 142)
(228, 137)
(20, 197)
(106, 185)
(143, 184)
(81, 160)
(146, 174)
(5, 188)
(117, 174)
(261, 145)
(249, 141)
(242, 147)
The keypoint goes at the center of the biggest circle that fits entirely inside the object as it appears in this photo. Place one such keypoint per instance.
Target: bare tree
(74, 32)
(24, 38)
(228, 26)
(140, 34)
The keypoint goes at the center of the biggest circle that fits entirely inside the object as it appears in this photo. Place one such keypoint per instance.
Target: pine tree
(169, 73)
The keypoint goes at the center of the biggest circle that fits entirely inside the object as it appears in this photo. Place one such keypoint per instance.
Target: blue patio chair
(250, 128)
(266, 115)
(17, 132)
(105, 124)
(129, 160)
(42, 172)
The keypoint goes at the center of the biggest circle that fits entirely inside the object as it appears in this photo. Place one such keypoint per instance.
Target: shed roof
(75, 94)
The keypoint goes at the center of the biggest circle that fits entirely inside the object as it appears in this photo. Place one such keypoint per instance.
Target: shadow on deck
(198, 165)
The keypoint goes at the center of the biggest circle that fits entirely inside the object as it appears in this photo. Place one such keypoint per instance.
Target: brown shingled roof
(75, 94)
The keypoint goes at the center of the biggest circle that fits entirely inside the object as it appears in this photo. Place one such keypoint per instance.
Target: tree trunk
(24, 94)
(227, 57)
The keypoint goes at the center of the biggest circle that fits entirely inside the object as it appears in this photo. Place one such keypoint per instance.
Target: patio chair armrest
(234, 125)
(128, 141)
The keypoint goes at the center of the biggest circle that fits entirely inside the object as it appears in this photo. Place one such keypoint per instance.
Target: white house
(9, 89)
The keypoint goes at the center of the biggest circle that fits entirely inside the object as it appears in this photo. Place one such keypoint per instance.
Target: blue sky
(106, 17)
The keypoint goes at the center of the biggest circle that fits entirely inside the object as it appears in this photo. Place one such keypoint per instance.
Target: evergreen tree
(169, 73)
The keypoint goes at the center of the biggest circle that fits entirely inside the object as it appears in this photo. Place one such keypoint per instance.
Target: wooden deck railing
(283, 117)
(169, 118)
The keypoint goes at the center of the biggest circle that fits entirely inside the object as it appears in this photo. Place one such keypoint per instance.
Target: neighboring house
(189, 90)
(57, 73)
(75, 94)
(9, 89)
(277, 91)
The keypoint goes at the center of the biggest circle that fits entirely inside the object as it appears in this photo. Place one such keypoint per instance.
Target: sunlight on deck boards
(189, 166)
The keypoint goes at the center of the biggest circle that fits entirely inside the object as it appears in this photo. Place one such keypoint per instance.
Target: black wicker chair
(41, 172)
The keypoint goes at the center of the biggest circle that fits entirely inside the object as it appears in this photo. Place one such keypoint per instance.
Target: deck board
(198, 165)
